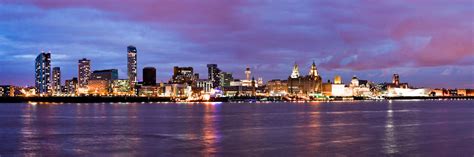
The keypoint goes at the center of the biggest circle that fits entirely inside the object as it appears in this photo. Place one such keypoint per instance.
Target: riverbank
(91, 99)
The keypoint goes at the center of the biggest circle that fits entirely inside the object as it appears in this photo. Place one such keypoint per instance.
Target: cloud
(363, 35)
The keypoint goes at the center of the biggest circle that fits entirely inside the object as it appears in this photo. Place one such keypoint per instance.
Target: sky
(429, 43)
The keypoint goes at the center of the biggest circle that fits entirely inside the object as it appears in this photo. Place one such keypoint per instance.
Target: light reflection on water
(382, 128)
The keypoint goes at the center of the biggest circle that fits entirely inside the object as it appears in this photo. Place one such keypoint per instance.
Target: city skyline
(427, 49)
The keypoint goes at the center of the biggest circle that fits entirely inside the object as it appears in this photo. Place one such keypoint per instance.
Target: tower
(56, 80)
(149, 76)
(84, 73)
(247, 73)
(132, 66)
(313, 71)
(43, 73)
(396, 79)
(296, 72)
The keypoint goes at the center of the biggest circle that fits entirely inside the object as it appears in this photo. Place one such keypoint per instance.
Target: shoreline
(92, 99)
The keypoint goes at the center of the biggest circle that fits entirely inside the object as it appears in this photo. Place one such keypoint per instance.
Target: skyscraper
(132, 66)
(84, 72)
(43, 73)
(56, 80)
(213, 75)
(149, 76)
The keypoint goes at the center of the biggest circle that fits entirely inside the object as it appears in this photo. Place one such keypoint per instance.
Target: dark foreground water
(405, 128)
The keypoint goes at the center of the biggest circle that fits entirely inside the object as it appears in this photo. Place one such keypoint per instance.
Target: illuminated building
(149, 91)
(56, 84)
(7, 91)
(277, 87)
(307, 85)
(213, 75)
(98, 87)
(337, 79)
(132, 67)
(182, 75)
(84, 72)
(225, 78)
(108, 74)
(205, 85)
(43, 73)
(295, 73)
(354, 82)
(121, 87)
(396, 79)
(247, 82)
(247, 73)
(327, 88)
(149, 76)
(71, 86)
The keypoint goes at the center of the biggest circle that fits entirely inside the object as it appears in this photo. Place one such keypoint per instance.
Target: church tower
(296, 72)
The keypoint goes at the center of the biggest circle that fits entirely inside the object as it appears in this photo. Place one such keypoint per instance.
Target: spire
(313, 71)
(296, 72)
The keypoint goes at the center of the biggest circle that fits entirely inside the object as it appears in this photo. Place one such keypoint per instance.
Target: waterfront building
(277, 87)
(149, 91)
(43, 74)
(71, 86)
(396, 79)
(108, 75)
(204, 85)
(98, 87)
(225, 79)
(327, 88)
(56, 84)
(7, 91)
(132, 67)
(305, 85)
(213, 75)
(121, 87)
(248, 81)
(183, 75)
(149, 76)
(84, 73)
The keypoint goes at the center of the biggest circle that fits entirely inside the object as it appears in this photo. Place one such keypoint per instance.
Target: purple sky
(430, 43)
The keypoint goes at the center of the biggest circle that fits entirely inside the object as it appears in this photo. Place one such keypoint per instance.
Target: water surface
(360, 128)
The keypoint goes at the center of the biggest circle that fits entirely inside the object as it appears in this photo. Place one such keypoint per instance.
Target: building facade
(305, 85)
(56, 84)
(213, 75)
(149, 76)
(43, 74)
(132, 66)
(71, 86)
(183, 75)
(84, 73)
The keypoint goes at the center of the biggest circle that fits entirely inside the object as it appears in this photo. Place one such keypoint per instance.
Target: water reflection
(390, 141)
(211, 135)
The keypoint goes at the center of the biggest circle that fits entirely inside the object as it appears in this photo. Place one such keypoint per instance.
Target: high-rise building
(84, 72)
(43, 73)
(132, 66)
(225, 79)
(213, 75)
(149, 76)
(56, 81)
(396, 79)
(182, 75)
